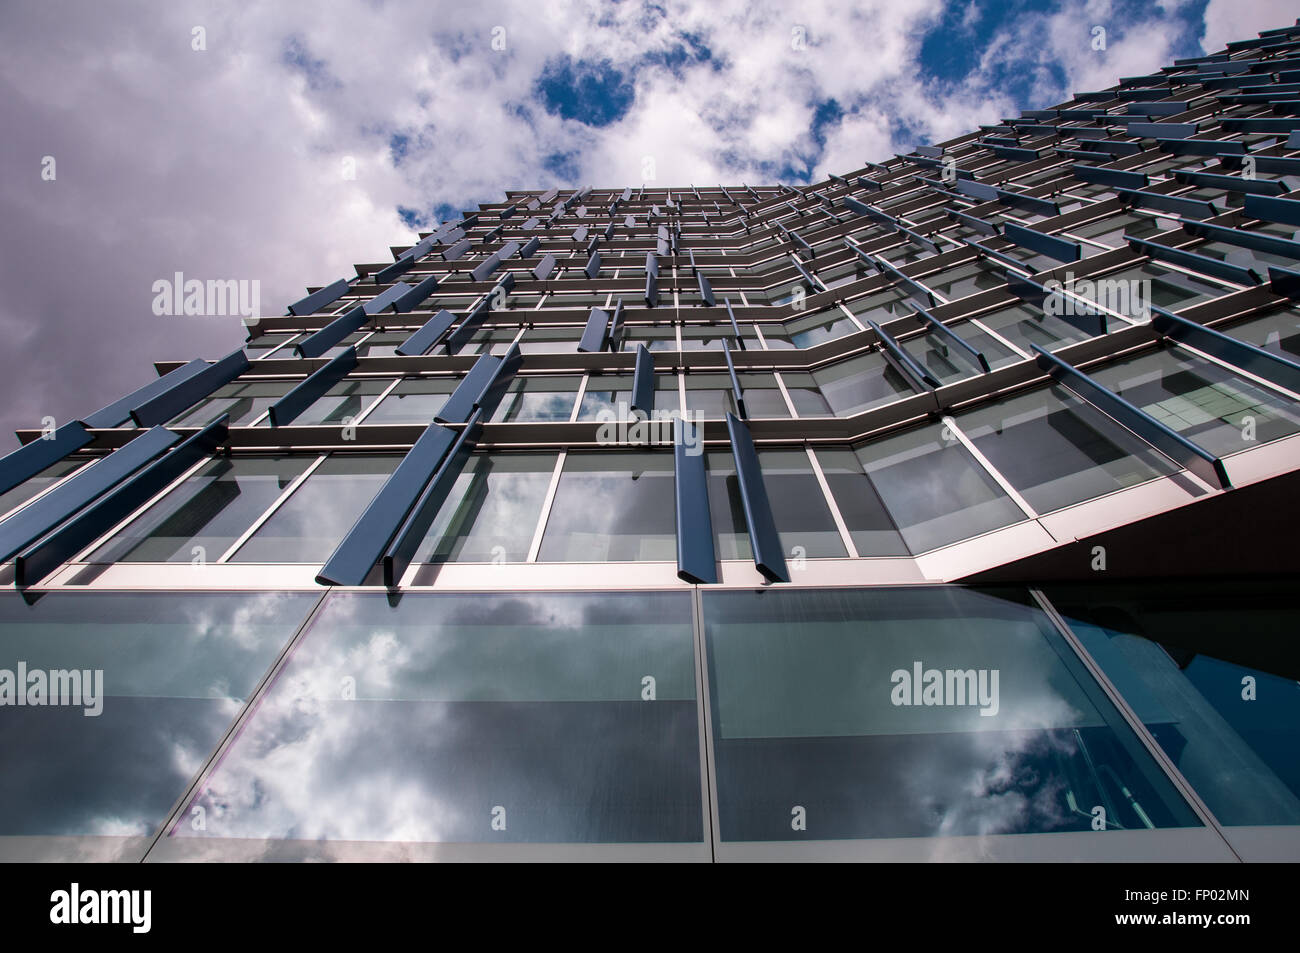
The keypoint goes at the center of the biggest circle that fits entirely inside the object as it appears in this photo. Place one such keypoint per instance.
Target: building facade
(938, 510)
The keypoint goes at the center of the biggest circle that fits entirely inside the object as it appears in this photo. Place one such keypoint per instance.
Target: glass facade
(835, 590)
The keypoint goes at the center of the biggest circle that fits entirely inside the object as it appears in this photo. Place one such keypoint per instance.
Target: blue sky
(282, 142)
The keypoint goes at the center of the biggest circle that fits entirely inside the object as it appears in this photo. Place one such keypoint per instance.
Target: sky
(283, 142)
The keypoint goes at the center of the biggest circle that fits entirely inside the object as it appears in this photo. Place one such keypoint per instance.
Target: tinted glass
(448, 718)
(311, 522)
(1211, 668)
(491, 513)
(1057, 450)
(935, 491)
(414, 401)
(916, 712)
(24, 491)
(200, 519)
(612, 507)
(166, 674)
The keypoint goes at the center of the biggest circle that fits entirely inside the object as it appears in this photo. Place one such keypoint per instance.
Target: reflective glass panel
(936, 492)
(1056, 449)
(310, 524)
(491, 513)
(1211, 668)
(914, 712)
(24, 491)
(612, 507)
(209, 510)
(144, 686)
(543, 718)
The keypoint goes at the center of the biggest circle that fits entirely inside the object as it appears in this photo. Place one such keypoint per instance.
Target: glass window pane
(1278, 332)
(803, 519)
(313, 521)
(538, 398)
(914, 712)
(166, 673)
(514, 719)
(244, 402)
(344, 400)
(870, 526)
(1023, 326)
(612, 507)
(1213, 407)
(860, 383)
(24, 491)
(1210, 668)
(210, 509)
(934, 489)
(606, 392)
(1056, 449)
(491, 513)
(413, 401)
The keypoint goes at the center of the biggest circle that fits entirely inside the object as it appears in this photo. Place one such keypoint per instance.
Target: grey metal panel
(24, 463)
(1128, 180)
(1208, 266)
(406, 541)
(593, 336)
(292, 404)
(166, 405)
(384, 275)
(465, 330)
(508, 250)
(415, 297)
(985, 193)
(40, 559)
(920, 379)
(736, 392)
(458, 250)
(951, 337)
(1161, 130)
(529, 247)
(706, 289)
(981, 226)
(386, 297)
(615, 325)
(316, 344)
(643, 381)
(119, 412)
(484, 269)
(1137, 421)
(1049, 245)
(593, 265)
(1260, 241)
(1254, 360)
(769, 556)
(1200, 147)
(425, 338)
(1167, 203)
(460, 405)
(43, 514)
(318, 299)
(1270, 209)
(696, 556)
(1230, 183)
(544, 267)
(369, 536)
